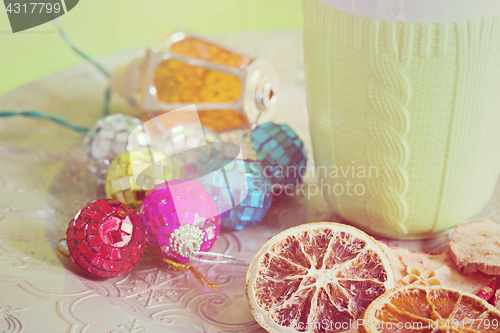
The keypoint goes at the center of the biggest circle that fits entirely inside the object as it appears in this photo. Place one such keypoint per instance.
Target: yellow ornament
(135, 172)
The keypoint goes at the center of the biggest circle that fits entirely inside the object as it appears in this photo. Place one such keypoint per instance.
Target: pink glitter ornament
(181, 220)
(106, 238)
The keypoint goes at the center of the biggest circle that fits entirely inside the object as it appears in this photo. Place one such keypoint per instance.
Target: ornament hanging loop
(62, 246)
(231, 260)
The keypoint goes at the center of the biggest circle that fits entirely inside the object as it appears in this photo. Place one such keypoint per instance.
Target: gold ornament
(135, 172)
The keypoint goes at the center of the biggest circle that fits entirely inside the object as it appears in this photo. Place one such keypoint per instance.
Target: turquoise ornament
(281, 152)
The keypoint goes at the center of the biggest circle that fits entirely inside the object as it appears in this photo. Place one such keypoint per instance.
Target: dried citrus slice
(416, 308)
(314, 276)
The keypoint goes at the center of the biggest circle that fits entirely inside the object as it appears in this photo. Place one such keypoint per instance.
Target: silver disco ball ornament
(189, 146)
(107, 139)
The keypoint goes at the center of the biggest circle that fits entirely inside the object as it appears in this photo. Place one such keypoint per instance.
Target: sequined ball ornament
(106, 239)
(106, 140)
(181, 219)
(248, 186)
(247, 198)
(189, 147)
(281, 152)
(135, 172)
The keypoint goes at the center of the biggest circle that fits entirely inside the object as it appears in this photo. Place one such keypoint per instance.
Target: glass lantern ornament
(281, 152)
(106, 140)
(106, 239)
(133, 173)
(181, 220)
(230, 89)
(253, 190)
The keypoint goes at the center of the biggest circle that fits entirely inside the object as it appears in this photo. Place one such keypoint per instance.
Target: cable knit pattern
(388, 124)
(409, 115)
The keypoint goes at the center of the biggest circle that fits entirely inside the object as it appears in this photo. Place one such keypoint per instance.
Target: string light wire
(55, 118)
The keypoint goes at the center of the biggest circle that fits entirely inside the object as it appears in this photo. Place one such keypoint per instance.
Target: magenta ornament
(181, 220)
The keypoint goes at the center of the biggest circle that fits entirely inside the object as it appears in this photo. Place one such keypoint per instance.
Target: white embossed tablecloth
(43, 182)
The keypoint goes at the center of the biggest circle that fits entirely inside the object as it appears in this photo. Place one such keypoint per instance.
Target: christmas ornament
(106, 140)
(189, 146)
(255, 188)
(281, 153)
(181, 220)
(230, 89)
(242, 139)
(248, 198)
(135, 172)
(106, 239)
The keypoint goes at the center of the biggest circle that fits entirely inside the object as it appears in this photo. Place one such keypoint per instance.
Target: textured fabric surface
(414, 105)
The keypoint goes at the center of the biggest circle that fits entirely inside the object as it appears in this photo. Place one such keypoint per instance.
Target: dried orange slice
(416, 308)
(314, 276)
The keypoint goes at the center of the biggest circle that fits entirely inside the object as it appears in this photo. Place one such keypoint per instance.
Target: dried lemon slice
(316, 277)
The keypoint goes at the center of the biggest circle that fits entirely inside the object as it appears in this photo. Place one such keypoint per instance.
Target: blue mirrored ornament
(281, 152)
(255, 186)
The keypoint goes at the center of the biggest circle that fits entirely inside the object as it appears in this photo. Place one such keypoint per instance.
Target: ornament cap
(265, 96)
(186, 240)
